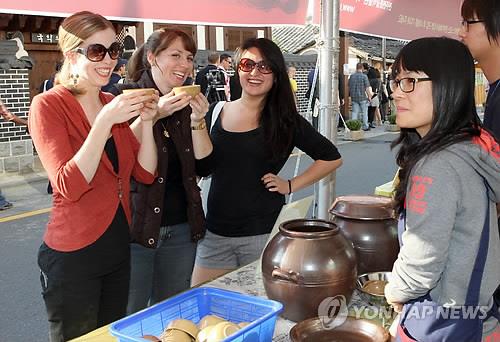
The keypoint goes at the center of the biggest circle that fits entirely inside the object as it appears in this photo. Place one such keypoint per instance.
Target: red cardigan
(81, 211)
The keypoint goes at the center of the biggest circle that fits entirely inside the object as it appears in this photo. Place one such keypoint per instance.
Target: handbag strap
(215, 114)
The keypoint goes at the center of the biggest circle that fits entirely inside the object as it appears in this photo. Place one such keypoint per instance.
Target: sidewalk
(8, 180)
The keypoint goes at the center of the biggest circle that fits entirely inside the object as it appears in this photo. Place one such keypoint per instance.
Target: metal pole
(328, 92)
(384, 62)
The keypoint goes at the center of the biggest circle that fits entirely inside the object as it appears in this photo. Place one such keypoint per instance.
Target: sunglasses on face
(247, 65)
(97, 52)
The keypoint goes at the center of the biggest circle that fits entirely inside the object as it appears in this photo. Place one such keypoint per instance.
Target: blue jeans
(159, 273)
(360, 107)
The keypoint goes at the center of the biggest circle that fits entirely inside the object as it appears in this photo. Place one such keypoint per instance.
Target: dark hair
(158, 41)
(450, 66)
(487, 10)
(279, 116)
(223, 57)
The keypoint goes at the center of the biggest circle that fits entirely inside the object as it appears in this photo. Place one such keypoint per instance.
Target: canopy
(400, 19)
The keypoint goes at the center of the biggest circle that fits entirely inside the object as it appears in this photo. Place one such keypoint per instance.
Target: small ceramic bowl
(222, 330)
(184, 325)
(209, 320)
(371, 287)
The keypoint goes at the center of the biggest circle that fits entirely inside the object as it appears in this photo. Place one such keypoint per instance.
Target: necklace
(165, 132)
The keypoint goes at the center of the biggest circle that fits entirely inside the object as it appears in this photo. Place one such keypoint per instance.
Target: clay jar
(368, 222)
(306, 262)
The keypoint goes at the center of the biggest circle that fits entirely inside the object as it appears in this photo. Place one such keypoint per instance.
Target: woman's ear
(151, 58)
(71, 56)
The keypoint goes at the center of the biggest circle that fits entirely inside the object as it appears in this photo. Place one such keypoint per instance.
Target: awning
(399, 19)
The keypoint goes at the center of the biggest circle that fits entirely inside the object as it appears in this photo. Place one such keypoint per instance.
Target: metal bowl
(352, 330)
(374, 296)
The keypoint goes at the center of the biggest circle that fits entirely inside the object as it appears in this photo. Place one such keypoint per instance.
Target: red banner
(224, 12)
(400, 19)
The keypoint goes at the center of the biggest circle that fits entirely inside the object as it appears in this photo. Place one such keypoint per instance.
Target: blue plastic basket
(196, 303)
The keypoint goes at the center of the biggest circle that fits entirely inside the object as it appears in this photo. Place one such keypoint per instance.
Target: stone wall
(16, 148)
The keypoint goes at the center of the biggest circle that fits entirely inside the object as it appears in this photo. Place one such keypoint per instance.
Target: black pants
(78, 306)
(371, 114)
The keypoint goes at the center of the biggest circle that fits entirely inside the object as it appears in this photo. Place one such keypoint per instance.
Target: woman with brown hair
(168, 218)
(90, 153)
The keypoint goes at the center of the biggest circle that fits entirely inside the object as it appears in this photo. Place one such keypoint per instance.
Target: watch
(200, 126)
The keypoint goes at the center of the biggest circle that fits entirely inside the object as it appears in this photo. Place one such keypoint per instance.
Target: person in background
(293, 82)
(449, 182)
(90, 153)
(360, 93)
(480, 32)
(211, 79)
(167, 216)
(7, 115)
(225, 64)
(373, 108)
(49, 83)
(253, 138)
(118, 73)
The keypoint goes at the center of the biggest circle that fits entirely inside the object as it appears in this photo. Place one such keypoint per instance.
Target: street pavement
(367, 163)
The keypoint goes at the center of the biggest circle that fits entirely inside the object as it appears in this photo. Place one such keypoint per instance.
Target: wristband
(289, 187)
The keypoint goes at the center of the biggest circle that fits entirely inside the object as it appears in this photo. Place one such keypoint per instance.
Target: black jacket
(147, 201)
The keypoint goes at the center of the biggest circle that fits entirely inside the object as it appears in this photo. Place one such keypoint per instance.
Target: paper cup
(191, 90)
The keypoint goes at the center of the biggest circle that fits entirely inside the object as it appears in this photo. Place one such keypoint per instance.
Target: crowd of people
(127, 226)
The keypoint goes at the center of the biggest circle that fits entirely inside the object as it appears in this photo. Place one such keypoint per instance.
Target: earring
(74, 77)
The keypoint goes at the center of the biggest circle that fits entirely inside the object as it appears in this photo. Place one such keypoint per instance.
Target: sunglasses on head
(97, 52)
(247, 65)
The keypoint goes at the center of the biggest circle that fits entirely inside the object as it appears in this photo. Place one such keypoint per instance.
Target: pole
(329, 47)
(384, 62)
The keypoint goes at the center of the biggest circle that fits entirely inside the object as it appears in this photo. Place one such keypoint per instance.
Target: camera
(215, 78)
(216, 81)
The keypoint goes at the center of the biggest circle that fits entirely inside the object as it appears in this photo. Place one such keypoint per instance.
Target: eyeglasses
(97, 52)
(247, 65)
(466, 23)
(407, 84)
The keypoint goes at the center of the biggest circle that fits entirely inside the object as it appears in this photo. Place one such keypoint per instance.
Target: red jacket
(81, 211)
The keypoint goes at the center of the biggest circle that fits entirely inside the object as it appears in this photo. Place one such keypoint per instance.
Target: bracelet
(289, 187)
(200, 126)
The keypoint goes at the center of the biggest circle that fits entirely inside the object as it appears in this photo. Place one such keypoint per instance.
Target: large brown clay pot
(306, 262)
(368, 222)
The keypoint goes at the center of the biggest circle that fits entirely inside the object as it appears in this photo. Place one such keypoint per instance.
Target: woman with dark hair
(373, 108)
(449, 183)
(90, 153)
(167, 216)
(253, 138)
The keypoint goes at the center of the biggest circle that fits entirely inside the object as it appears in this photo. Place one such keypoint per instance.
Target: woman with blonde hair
(90, 154)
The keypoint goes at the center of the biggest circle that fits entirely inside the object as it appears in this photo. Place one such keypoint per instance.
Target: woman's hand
(199, 105)
(275, 184)
(125, 107)
(171, 103)
(150, 109)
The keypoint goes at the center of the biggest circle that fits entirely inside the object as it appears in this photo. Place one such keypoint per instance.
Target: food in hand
(147, 91)
(192, 90)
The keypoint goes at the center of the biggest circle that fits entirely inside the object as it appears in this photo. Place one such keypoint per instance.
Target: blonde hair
(72, 32)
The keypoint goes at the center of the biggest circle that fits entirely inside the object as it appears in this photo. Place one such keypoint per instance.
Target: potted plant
(392, 126)
(353, 130)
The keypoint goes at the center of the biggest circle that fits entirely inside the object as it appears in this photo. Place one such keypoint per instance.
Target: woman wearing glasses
(449, 183)
(167, 216)
(253, 138)
(90, 153)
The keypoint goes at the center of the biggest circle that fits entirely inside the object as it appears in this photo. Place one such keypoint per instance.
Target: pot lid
(363, 207)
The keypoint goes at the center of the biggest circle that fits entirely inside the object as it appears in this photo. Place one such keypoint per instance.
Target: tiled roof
(293, 39)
